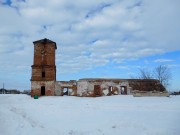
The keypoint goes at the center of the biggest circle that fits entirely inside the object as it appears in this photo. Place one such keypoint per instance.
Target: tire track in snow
(23, 115)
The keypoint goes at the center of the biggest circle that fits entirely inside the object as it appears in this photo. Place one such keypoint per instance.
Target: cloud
(160, 21)
(123, 67)
(88, 33)
(163, 60)
(173, 65)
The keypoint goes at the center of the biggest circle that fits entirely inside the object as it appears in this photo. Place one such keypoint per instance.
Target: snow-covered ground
(111, 115)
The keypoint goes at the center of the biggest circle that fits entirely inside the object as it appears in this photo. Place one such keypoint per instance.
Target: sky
(95, 39)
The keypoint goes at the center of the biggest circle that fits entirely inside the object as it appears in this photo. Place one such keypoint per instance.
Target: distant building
(43, 79)
(11, 91)
(2, 91)
(28, 92)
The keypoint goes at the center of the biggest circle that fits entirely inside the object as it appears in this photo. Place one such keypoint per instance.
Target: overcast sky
(95, 38)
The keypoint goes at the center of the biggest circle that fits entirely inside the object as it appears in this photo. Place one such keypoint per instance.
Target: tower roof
(44, 41)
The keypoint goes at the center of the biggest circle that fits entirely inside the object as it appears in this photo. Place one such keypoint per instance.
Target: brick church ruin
(43, 79)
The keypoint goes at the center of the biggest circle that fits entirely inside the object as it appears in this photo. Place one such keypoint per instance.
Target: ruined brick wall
(150, 93)
(82, 87)
(48, 50)
(69, 85)
(36, 88)
(107, 87)
(146, 85)
(101, 87)
(50, 73)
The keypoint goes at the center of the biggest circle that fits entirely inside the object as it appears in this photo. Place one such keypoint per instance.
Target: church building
(43, 79)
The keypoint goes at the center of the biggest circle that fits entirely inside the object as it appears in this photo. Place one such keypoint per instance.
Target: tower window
(43, 74)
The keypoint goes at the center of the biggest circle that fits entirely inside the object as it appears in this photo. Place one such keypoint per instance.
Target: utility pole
(3, 91)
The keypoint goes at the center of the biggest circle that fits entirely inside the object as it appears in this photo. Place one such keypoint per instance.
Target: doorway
(110, 89)
(65, 91)
(123, 90)
(42, 90)
(97, 90)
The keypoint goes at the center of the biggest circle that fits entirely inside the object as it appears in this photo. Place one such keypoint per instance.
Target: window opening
(43, 74)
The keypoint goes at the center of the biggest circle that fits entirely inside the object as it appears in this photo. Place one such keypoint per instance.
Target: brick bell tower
(43, 69)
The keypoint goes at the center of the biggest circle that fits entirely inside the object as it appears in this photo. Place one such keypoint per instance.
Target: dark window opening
(42, 90)
(43, 74)
(65, 91)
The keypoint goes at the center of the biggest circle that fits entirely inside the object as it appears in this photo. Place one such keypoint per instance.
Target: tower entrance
(42, 90)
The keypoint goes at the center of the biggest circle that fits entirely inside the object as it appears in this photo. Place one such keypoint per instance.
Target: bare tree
(145, 74)
(163, 74)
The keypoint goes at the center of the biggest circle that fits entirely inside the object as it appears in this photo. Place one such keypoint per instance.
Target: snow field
(111, 115)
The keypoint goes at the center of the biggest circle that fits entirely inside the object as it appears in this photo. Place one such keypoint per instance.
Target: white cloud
(163, 60)
(123, 67)
(173, 65)
(160, 23)
(88, 33)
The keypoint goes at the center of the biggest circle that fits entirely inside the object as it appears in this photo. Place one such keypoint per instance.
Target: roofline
(113, 79)
(45, 40)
